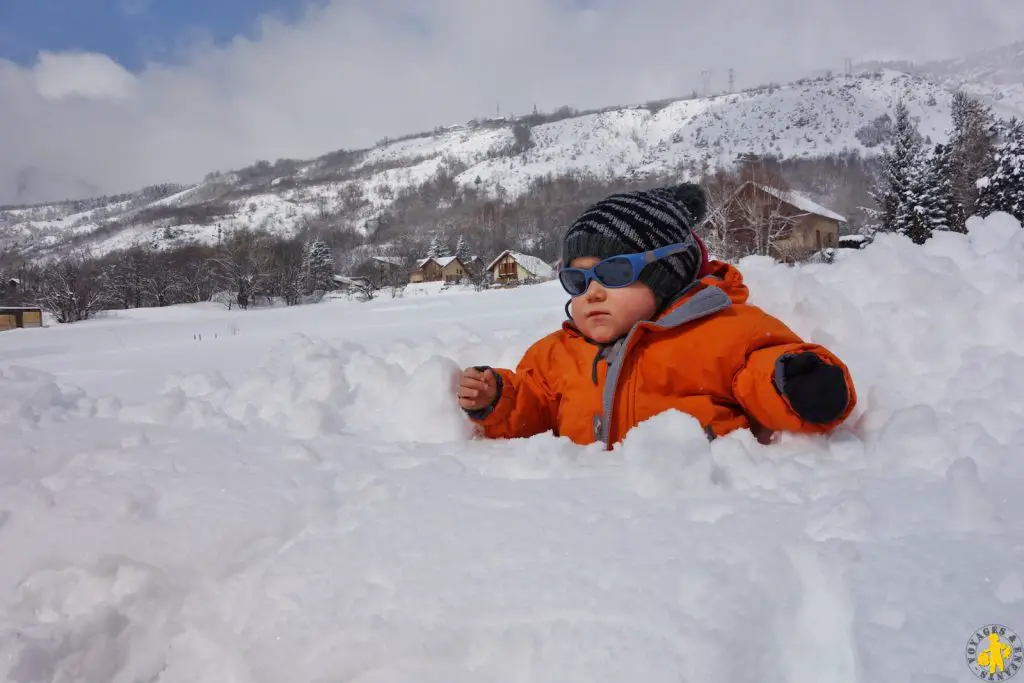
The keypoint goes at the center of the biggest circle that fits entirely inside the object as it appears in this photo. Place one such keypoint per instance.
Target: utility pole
(849, 67)
(732, 80)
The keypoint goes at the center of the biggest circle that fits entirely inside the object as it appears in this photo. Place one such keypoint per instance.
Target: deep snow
(293, 497)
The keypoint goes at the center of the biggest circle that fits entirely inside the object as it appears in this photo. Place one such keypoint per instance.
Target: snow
(533, 265)
(806, 119)
(199, 495)
(801, 202)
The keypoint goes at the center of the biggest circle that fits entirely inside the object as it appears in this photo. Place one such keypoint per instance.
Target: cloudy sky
(103, 96)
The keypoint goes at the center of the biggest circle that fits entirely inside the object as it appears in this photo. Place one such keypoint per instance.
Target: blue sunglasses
(615, 272)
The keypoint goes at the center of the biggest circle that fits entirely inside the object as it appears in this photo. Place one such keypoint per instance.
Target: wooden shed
(13, 317)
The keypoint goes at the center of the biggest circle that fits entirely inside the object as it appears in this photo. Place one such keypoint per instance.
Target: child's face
(604, 314)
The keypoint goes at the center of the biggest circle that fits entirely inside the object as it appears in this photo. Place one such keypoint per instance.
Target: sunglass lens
(615, 272)
(573, 281)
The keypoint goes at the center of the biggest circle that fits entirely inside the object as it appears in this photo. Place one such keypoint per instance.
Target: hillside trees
(921, 191)
(900, 164)
(1003, 188)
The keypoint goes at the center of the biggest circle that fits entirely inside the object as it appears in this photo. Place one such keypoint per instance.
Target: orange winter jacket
(709, 354)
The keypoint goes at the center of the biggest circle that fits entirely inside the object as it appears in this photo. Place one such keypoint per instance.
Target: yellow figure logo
(995, 653)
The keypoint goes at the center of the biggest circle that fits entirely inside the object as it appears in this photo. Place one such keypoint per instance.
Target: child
(653, 326)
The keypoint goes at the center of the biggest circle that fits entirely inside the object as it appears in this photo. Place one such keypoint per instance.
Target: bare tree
(125, 277)
(160, 282)
(287, 271)
(760, 224)
(243, 265)
(73, 288)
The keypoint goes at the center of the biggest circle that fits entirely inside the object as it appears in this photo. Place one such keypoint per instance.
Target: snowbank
(302, 500)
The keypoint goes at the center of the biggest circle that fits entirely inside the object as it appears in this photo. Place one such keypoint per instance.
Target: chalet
(785, 224)
(447, 268)
(513, 267)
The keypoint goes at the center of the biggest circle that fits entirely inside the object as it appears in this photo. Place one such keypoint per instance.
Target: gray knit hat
(629, 222)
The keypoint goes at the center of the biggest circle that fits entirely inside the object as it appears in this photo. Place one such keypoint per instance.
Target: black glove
(816, 390)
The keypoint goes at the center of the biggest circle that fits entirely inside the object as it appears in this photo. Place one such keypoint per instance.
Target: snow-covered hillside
(997, 75)
(806, 119)
(195, 495)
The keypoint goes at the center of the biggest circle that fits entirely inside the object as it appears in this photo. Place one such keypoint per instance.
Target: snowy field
(196, 495)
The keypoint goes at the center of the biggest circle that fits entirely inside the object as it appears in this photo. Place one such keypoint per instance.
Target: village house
(784, 224)
(447, 268)
(513, 267)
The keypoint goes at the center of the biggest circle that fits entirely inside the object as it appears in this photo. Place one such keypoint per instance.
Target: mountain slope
(996, 74)
(809, 118)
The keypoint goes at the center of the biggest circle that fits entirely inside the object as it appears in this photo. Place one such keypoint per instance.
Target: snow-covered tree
(317, 266)
(1003, 188)
(972, 143)
(462, 250)
(443, 249)
(433, 251)
(894, 194)
(930, 196)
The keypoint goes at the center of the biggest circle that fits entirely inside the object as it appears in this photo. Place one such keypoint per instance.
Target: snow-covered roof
(531, 264)
(801, 202)
(347, 280)
(444, 261)
(390, 260)
(853, 238)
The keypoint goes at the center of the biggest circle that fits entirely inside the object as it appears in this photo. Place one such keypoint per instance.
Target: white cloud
(81, 74)
(353, 71)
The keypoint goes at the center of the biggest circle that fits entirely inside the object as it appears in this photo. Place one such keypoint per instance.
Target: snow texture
(195, 495)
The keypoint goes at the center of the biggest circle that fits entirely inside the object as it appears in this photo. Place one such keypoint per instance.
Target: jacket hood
(728, 279)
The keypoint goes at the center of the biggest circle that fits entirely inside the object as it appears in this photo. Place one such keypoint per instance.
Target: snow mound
(313, 507)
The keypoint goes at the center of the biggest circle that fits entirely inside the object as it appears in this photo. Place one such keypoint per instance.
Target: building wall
(507, 260)
(428, 273)
(814, 233)
(13, 318)
(453, 271)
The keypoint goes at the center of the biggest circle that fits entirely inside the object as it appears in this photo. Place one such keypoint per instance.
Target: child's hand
(477, 389)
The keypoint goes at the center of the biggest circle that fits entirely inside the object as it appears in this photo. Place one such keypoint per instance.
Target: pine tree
(930, 196)
(1003, 189)
(945, 210)
(317, 266)
(443, 250)
(894, 193)
(434, 250)
(972, 143)
(462, 250)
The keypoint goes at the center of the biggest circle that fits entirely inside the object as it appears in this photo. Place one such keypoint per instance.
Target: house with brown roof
(450, 269)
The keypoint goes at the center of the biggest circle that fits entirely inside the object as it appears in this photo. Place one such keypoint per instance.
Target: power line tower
(732, 80)
(705, 80)
(849, 67)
